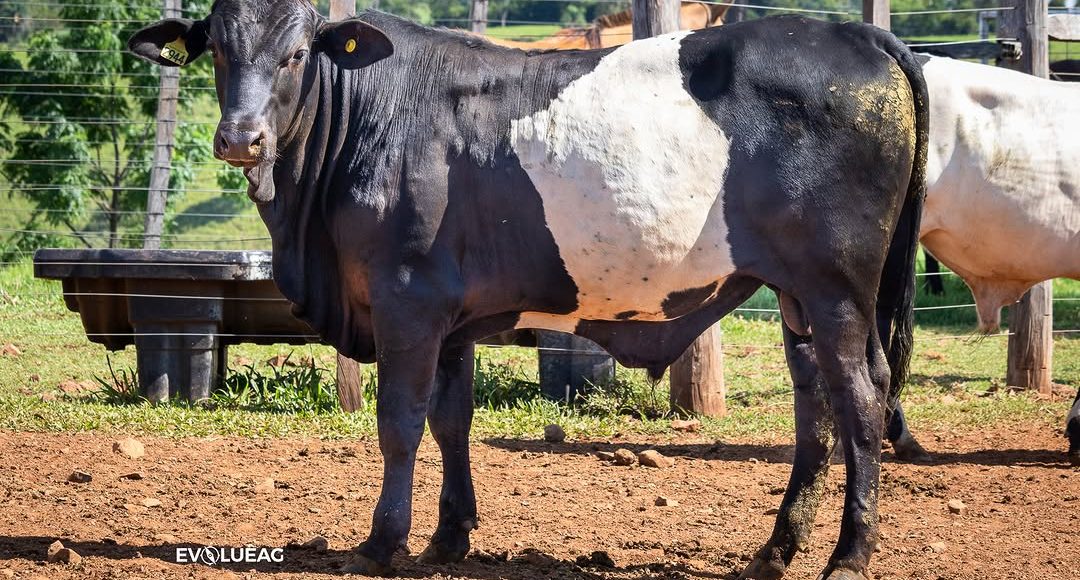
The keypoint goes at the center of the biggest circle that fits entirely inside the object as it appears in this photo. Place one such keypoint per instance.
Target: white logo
(214, 556)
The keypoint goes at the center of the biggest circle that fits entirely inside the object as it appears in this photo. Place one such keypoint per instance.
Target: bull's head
(264, 52)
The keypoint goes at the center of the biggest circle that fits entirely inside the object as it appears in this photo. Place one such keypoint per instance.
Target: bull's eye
(300, 55)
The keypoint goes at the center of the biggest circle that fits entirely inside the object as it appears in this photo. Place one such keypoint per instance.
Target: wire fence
(23, 213)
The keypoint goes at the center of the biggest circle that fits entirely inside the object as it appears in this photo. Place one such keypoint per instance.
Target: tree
(85, 110)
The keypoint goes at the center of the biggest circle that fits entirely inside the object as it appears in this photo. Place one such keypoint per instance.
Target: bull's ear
(171, 42)
(353, 43)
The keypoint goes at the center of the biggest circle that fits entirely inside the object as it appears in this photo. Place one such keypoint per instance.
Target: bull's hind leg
(814, 441)
(450, 418)
(852, 362)
(904, 445)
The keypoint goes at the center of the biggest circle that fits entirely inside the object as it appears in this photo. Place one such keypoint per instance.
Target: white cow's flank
(1003, 180)
(631, 172)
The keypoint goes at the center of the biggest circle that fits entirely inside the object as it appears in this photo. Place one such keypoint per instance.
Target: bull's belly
(631, 172)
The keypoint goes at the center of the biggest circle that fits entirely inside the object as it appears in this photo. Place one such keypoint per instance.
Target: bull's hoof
(1074, 457)
(908, 449)
(842, 574)
(437, 553)
(361, 564)
(768, 564)
(763, 569)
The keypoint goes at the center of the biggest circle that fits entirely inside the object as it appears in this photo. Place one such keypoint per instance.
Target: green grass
(523, 32)
(949, 388)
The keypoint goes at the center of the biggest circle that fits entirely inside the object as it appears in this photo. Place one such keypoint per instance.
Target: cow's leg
(450, 418)
(852, 362)
(905, 447)
(1072, 430)
(814, 441)
(406, 376)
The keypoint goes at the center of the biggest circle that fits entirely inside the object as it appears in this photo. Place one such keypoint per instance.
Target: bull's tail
(896, 295)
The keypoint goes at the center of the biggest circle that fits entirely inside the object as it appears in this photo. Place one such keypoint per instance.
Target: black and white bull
(425, 189)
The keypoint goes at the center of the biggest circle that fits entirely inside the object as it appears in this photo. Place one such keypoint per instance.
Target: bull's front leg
(406, 368)
(450, 419)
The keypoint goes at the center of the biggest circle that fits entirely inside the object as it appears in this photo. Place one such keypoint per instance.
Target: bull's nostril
(222, 146)
(256, 146)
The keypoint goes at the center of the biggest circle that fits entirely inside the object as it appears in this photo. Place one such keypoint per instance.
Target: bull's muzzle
(238, 145)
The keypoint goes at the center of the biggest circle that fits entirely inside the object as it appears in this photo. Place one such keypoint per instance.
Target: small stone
(130, 448)
(653, 458)
(314, 510)
(605, 456)
(936, 547)
(165, 538)
(957, 507)
(663, 501)
(135, 509)
(151, 502)
(265, 486)
(516, 491)
(80, 477)
(772, 511)
(67, 556)
(554, 434)
(54, 548)
(686, 425)
(5, 573)
(47, 396)
(10, 350)
(134, 476)
(625, 457)
(318, 544)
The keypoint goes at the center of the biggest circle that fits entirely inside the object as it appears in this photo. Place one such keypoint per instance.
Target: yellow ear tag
(175, 52)
(350, 46)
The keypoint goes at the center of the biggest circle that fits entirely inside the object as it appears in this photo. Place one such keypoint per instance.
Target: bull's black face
(265, 59)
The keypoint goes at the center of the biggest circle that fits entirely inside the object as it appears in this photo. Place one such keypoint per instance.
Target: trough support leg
(177, 359)
(571, 365)
(450, 419)
(176, 339)
(815, 438)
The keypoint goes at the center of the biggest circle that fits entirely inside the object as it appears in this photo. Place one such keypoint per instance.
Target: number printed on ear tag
(175, 52)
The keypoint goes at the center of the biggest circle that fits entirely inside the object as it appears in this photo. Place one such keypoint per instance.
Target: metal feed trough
(183, 308)
(180, 308)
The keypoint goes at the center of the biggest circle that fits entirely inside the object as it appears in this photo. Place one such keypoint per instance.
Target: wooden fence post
(349, 387)
(479, 16)
(1031, 320)
(697, 377)
(876, 12)
(655, 17)
(158, 193)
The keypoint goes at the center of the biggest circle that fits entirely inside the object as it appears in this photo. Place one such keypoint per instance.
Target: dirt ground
(542, 507)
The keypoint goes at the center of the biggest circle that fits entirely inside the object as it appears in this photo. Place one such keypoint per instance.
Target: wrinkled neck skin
(306, 264)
